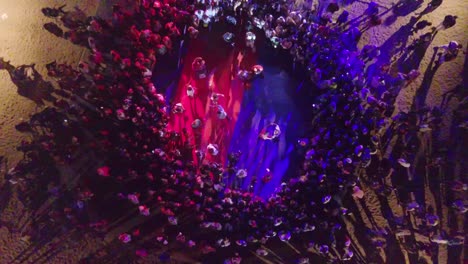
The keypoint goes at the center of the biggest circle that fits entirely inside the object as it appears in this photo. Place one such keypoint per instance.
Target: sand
(24, 41)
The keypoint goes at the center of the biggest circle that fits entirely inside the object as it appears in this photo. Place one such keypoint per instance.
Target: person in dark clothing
(343, 18)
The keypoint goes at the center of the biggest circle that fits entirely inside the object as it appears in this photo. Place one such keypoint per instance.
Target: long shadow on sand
(423, 90)
(29, 82)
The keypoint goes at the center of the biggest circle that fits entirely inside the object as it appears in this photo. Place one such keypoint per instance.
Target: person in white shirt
(212, 149)
(270, 132)
(199, 68)
(250, 40)
(214, 99)
(190, 91)
(448, 52)
(221, 113)
(178, 108)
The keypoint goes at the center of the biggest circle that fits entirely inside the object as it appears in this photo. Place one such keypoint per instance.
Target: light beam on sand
(261, 258)
(293, 248)
(272, 252)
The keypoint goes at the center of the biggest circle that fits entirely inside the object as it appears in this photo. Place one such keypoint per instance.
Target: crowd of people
(110, 104)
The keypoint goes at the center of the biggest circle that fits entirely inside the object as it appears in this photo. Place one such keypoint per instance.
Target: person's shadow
(29, 82)
(54, 29)
(402, 9)
(412, 57)
(421, 93)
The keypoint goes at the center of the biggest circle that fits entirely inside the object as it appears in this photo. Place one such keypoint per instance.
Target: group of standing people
(111, 105)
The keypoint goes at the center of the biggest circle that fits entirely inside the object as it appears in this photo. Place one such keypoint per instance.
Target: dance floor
(250, 109)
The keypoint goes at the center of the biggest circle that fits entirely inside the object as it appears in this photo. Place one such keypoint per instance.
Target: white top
(241, 173)
(212, 149)
(190, 91)
(179, 108)
(221, 113)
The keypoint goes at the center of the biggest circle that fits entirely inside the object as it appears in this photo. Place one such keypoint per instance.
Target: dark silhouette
(53, 12)
(54, 29)
(414, 54)
(423, 90)
(29, 82)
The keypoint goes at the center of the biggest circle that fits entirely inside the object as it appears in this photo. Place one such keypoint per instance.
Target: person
(270, 132)
(448, 52)
(84, 67)
(348, 255)
(190, 91)
(125, 238)
(196, 123)
(221, 113)
(199, 68)
(212, 149)
(214, 99)
(257, 71)
(228, 37)
(193, 32)
(250, 40)
(267, 177)
(144, 210)
(372, 9)
(178, 109)
(261, 252)
(245, 76)
(342, 18)
(241, 174)
(460, 206)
